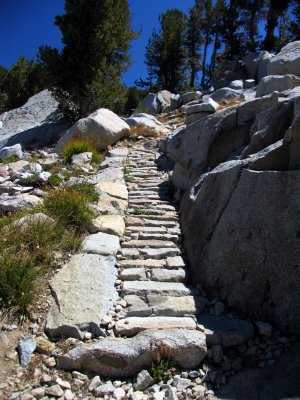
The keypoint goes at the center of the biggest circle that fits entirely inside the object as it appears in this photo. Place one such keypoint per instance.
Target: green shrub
(69, 207)
(88, 189)
(30, 180)
(77, 146)
(11, 159)
(18, 276)
(54, 180)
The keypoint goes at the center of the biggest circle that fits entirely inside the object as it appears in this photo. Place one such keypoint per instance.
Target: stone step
(133, 274)
(133, 325)
(154, 197)
(123, 358)
(167, 224)
(146, 288)
(161, 215)
(158, 236)
(175, 262)
(163, 185)
(169, 306)
(148, 243)
(149, 263)
(146, 229)
(158, 253)
(169, 275)
(151, 202)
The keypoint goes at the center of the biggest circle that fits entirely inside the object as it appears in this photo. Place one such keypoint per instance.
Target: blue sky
(27, 24)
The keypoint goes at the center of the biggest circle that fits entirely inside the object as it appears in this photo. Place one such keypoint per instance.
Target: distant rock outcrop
(38, 122)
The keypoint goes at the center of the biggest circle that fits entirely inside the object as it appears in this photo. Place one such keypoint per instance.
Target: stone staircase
(153, 273)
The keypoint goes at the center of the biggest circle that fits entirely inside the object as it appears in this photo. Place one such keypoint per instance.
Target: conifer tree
(166, 53)
(96, 38)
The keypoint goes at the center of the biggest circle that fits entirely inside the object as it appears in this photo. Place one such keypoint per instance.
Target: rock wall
(237, 174)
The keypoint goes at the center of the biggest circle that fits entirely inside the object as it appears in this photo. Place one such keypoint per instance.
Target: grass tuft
(77, 146)
(70, 207)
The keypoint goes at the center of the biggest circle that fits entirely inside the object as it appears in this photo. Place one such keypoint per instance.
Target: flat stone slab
(120, 358)
(112, 224)
(114, 189)
(115, 175)
(279, 381)
(147, 229)
(148, 243)
(101, 243)
(119, 152)
(169, 275)
(142, 263)
(133, 274)
(175, 262)
(226, 331)
(146, 288)
(159, 253)
(133, 325)
(176, 306)
(149, 222)
(83, 293)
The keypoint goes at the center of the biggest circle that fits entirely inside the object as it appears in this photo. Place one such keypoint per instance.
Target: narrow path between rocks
(151, 268)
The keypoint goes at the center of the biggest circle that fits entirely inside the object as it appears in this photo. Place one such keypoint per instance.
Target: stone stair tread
(169, 275)
(158, 236)
(131, 326)
(149, 263)
(148, 243)
(146, 288)
(146, 229)
(149, 222)
(159, 253)
(133, 274)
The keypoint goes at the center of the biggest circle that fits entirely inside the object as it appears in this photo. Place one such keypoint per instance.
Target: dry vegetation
(145, 131)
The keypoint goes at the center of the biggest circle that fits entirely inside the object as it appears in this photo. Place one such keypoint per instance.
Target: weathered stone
(175, 262)
(148, 243)
(264, 328)
(225, 331)
(18, 202)
(143, 380)
(111, 174)
(37, 122)
(142, 263)
(190, 96)
(43, 346)
(167, 275)
(287, 61)
(112, 224)
(113, 189)
(26, 347)
(119, 152)
(84, 292)
(227, 94)
(101, 243)
(133, 274)
(119, 357)
(278, 83)
(102, 128)
(7, 152)
(82, 159)
(236, 84)
(105, 389)
(147, 120)
(142, 288)
(176, 306)
(54, 391)
(133, 325)
(96, 381)
(108, 205)
(256, 64)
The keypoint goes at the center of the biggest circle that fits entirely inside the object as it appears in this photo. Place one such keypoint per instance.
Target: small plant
(69, 207)
(77, 146)
(127, 176)
(54, 180)
(141, 211)
(30, 180)
(161, 362)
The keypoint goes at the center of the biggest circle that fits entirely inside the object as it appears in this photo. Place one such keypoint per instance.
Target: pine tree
(166, 54)
(294, 29)
(193, 43)
(252, 12)
(96, 38)
(276, 9)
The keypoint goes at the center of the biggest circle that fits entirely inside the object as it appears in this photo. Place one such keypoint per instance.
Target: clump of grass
(18, 276)
(77, 146)
(30, 180)
(143, 130)
(87, 189)
(141, 211)
(70, 207)
(11, 159)
(54, 180)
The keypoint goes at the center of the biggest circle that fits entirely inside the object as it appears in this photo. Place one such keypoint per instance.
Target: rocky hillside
(155, 257)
